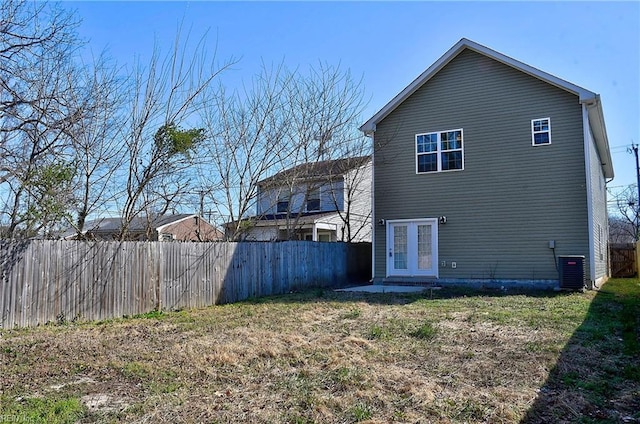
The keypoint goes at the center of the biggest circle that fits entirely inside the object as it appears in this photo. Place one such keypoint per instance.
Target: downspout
(373, 208)
(587, 161)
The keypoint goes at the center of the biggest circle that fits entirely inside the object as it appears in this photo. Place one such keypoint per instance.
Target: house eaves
(282, 220)
(586, 97)
(138, 225)
(316, 171)
(599, 132)
(160, 223)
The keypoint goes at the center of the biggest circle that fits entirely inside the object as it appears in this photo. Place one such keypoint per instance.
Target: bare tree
(96, 139)
(165, 95)
(248, 134)
(326, 105)
(354, 205)
(37, 44)
(35, 38)
(284, 120)
(77, 139)
(624, 223)
(621, 231)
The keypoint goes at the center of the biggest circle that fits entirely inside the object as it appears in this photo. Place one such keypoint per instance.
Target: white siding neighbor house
(321, 201)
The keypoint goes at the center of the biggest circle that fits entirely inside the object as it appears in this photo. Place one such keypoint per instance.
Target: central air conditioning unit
(572, 272)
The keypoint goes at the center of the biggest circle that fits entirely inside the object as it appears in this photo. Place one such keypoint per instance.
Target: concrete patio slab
(379, 288)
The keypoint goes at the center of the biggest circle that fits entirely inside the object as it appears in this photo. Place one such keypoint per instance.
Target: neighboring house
(181, 227)
(328, 200)
(486, 170)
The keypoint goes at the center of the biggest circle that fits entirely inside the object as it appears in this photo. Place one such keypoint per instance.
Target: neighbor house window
(541, 131)
(439, 151)
(283, 202)
(313, 200)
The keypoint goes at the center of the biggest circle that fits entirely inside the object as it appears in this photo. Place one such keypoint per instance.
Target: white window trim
(434, 236)
(533, 132)
(438, 152)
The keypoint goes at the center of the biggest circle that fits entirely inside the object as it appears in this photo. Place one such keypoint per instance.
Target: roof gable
(459, 47)
(588, 98)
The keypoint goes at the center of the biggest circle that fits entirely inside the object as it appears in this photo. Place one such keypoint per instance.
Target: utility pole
(202, 202)
(634, 147)
(208, 213)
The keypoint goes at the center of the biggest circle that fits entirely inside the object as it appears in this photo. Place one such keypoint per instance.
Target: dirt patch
(101, 403)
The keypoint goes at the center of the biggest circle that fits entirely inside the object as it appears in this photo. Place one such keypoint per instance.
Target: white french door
(412, 247)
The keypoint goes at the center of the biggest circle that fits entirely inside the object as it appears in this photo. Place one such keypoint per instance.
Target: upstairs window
(313, 200)
(439, 151)
(283, 202)
(541, 131)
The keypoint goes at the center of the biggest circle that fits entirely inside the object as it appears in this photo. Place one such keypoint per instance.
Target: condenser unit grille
(572, 272)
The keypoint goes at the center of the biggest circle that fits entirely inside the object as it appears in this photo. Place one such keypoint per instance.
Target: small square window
(541, 131)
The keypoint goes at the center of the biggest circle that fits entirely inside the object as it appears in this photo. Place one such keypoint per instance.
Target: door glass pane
(400, 247)
(424, 247)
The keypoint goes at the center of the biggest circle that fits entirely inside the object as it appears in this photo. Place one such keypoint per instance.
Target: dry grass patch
(324, 357)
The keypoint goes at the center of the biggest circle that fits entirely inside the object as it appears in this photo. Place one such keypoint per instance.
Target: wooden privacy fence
(46, 281)
(623, 260)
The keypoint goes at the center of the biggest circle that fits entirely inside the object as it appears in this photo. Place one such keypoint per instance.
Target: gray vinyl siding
(600, 226)
(512, 198)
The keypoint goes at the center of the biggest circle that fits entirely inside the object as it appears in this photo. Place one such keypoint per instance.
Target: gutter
(593, 106)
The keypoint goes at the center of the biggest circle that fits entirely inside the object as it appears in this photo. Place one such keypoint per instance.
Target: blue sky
(595, 45)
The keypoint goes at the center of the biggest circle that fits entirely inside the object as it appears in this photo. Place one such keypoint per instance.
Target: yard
(326, 357)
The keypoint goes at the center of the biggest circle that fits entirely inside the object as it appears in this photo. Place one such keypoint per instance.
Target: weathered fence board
(45, 281)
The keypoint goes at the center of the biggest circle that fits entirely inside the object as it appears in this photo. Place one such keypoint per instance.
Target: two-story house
(488, 170)
(328, 200)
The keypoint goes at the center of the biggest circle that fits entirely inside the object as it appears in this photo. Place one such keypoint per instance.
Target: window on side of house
(439, 151)
(313, 200)
(283, 202)
(541, 131)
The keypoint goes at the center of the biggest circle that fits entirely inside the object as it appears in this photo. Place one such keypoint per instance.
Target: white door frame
(412, 249)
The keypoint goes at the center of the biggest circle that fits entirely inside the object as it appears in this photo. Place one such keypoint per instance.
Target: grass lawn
(327, 357)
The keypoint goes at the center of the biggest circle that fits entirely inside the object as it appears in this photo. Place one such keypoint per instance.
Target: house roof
(281, 218)
(586, 97)
(138, 224)
(309, 170)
